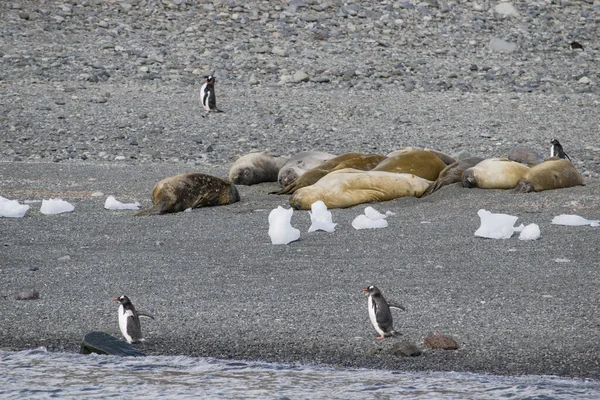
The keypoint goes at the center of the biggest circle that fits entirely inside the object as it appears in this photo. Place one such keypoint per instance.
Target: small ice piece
(530, 232)
(280, 227)
(573, 220)
(113, 204)
(12, 208)
(373, 214)
(364, 222)
(55, 206)
(321, 218)
(562, 260)
(495, 226)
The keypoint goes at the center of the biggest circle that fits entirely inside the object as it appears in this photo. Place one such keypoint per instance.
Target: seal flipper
(157, 209)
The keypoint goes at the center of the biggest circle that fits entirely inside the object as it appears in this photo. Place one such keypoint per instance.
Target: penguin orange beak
(365, 289)
(115, 298)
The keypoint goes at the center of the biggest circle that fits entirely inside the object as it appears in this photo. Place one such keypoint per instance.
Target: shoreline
(219, 288)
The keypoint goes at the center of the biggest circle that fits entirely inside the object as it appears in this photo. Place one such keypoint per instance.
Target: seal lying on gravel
(442, 156)
(525, 155)
(419, 162)
(494, 173)
(363, 162)
(253, 168)
(299, 163)
(452, 173)
(551, 174)
(348, 187)
(191, 190)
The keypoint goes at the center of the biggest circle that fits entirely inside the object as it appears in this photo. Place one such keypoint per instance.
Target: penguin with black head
(207, 95)
(556, 150)
(379, 312)
(129, 320)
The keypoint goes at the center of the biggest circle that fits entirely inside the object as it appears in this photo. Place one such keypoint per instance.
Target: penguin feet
(380, 337)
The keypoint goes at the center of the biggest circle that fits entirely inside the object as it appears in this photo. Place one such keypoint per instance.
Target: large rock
(501, 46)
(440, 342)
(506, 9)
(406, 349)
(103, 343)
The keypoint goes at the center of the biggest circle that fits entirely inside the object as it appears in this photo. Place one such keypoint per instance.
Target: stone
(585, 80)
(440, 342)
(501, 46)
(506, 9)
(406, 349)
(30, 294)
(279, 51)
(103, 343)
(300, 76)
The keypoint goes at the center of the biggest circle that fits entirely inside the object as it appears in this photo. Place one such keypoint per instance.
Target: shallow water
(38, 374)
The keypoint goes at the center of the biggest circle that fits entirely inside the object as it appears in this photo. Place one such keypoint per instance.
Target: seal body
(451, 174)
(379, 312)
(359, 161)
(348, 187)
(421, 163)
(253, 168)
(551, 174)
(525, 155)
(299, 163)
(190, 190)
(442, 156)
(129, 320)
(494, 173)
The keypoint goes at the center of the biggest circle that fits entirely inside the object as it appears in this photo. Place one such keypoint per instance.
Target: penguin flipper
(397, 306)
(145, 315)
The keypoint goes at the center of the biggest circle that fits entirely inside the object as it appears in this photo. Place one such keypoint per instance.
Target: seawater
(39, 374)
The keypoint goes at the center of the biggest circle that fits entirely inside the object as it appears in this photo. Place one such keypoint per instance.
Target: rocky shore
(103, 96)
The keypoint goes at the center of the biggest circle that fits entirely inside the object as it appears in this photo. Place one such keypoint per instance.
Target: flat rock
(440, 342)
(406, 349)
(103, 343)
(501, 46)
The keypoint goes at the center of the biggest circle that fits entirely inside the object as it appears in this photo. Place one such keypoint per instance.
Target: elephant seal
(299, 163)
(551, 174)
(191, 190)
(422, 163)
(359, 161)
(451, 174)
(253, 168)
(494, 173)
(442, 156)
(348, 187)
(525, 155)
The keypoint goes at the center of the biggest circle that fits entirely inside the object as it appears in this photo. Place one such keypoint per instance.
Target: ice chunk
(321, 218)
(113, 204)
(280, 227)
(371, 219)
(12, 208)
(530, 232)
(55, 206)
(495, 226)
(573, 220)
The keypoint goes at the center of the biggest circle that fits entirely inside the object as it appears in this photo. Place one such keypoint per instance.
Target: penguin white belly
(123, 316)
(552, 151)
(373, 317)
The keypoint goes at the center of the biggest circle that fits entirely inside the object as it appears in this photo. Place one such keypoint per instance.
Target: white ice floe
(113, 204)
(280, 226)
(496, 226)
(573, 220)
(371, 219)
(12, 208)
(321, 218)
(56, 206)
(530, 232)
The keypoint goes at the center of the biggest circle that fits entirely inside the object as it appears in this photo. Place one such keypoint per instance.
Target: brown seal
(442, 156)
(418, 162)
(191, 190)
(452, 173)
(359, 161)
(253, 168)
(494, 173)
(551, 174)
(299, 163)
(348, 187)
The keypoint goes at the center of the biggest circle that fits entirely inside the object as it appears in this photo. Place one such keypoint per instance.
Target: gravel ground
(103, 96)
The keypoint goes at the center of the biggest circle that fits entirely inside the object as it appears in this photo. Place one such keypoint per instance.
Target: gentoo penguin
(207, 93)
(129, 320)
(556, 150)
(379, 312)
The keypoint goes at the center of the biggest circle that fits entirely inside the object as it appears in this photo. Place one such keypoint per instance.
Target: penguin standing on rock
(129, 320)
(556, 150)
(379, 312)
(207, 93)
